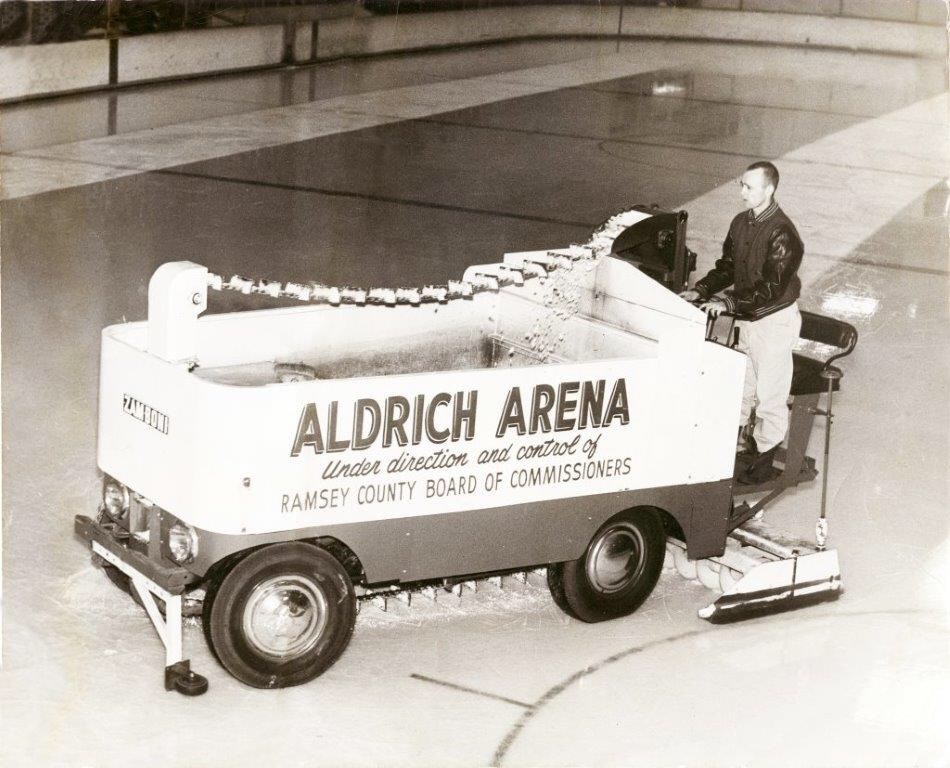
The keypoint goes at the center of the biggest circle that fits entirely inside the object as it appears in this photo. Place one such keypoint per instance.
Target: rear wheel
(280, 616)
(617, 571)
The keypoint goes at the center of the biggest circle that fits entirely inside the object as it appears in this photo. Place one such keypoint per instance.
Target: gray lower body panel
(497, 539)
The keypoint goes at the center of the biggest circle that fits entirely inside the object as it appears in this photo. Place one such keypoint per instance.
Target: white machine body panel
(462, 412)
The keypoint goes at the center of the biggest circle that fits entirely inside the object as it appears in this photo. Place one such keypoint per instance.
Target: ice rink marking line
(665, 145)
(858, 261)
(466, 689)
(556, 690)
(377, 198)
(173, 171)
(886, 265)
(749, 104)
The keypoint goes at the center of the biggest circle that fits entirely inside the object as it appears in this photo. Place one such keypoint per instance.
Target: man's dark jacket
(760, 258)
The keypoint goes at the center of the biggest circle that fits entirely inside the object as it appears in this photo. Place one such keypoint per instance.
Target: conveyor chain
(335, 296)
(478, 279)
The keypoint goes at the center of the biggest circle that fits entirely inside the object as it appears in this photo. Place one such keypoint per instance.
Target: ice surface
(859, 682)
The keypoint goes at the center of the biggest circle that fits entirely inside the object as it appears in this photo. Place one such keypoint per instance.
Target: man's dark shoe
(759, 469)
(749, 449)
(745, 455)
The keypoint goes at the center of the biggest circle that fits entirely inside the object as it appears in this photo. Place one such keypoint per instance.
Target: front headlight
(115, 498)
(182, 543)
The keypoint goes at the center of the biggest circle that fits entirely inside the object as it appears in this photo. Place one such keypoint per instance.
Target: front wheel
(280, 616)
(617, 572)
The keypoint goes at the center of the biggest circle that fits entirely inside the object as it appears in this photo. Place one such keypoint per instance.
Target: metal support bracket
(169, 629)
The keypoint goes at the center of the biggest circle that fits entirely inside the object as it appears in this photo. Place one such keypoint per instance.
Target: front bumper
(173, 579)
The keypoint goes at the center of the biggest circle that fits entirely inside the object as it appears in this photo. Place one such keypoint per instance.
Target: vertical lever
(831, 375)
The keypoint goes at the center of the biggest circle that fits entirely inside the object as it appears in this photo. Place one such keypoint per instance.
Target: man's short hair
(770, 171)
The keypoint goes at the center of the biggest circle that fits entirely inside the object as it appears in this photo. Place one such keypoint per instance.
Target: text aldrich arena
(447, 416)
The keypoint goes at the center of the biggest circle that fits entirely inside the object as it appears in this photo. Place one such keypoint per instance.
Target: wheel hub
(285, 616)
(616, 558)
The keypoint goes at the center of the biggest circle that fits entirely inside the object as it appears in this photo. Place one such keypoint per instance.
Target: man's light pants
(768, 342)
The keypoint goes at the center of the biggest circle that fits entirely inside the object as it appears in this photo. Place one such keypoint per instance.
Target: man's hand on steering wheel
(714, 307)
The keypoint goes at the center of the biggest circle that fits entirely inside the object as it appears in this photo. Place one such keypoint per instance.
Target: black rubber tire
(579, 595)
(123, 582)
(308, 567)
(119, 578)
(211, 591)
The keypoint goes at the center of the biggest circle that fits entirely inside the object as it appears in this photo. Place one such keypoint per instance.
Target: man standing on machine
(760, 260)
